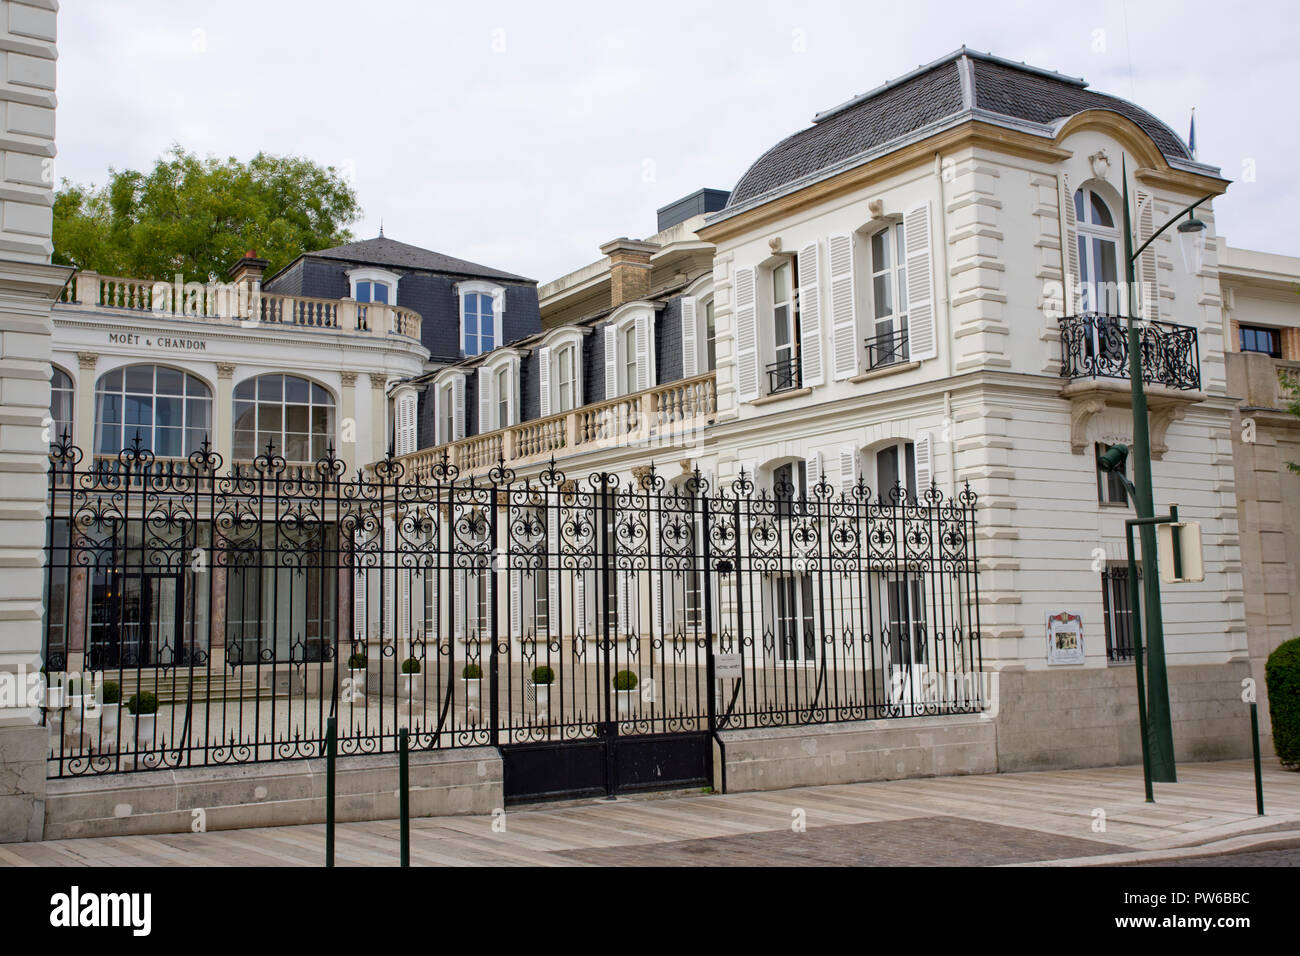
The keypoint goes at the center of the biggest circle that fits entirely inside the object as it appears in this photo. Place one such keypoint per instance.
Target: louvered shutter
(438, 437)
(433, 610)
(1149, 272)
(690, 338)
(810, 314)
(924, 465)
(473, 587)
(389, 581)
(815, 469)
(611, 362)
(920, 284)
(580, 604)
(407, 423)
(459, 423)
(516, 602)
(513, 400)
(359, 628)
(554, 619)
(624, 597)
(645, 352)
(844, 311)
(849, 467)
(746, 336)
(402, 592)
(544, 381)
(1071, 297)
(486, 381)
(458, 602)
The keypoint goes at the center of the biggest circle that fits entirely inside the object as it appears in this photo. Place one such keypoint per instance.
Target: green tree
(197, 215)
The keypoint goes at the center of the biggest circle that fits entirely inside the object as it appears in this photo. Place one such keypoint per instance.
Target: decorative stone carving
(1081, 412)
(348, 378)
(642, 473)
(225, 370)
(87, 359)
(876, 207)
(774, 244)
(1160, 419)
(1100, 164)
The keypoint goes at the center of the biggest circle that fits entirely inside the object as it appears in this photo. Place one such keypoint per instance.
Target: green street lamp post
(1159, 741)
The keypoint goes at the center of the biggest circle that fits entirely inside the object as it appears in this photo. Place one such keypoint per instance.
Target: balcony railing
(783, 375)
(886, 349)
(1096, 346)
(667, 414)
(234, 304)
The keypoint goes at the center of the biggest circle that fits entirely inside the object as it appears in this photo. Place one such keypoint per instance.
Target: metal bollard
(1259, 774)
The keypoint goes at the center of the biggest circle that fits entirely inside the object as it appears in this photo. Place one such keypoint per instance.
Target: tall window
(1117, 611)
(784, 372)
(447, 413)
(1098, 253)
(627, 345)
(888, 342)
(294, 416)
(479, 322)
(565, 378)
(60, 406)
(1110, 485)
(710, 337)
(505, 382)
(1254, 338)
(896, 465)
(170, 411)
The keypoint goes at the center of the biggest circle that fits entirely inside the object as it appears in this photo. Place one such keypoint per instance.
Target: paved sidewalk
(1076, 817)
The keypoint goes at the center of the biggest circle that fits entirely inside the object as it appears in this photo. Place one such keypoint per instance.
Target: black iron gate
(599, 632)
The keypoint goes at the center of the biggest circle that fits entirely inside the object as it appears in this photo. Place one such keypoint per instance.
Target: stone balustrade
(665, 414)
(234, 303)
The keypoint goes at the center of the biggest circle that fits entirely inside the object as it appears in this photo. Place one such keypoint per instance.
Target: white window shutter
(432, 625)
(922, 343)
(645, 352)
(624, 597)
(1148, 272)
(473, 584)
(485, 403)
(690, 338)
(408, 423)
(815, 469)
(1071, 301)
(516, 603)
(359, 628)
(438, 437)
(389, 582)
(553, 616)
(810, 314)
(844, 310)
(924, 465)
(459, 423)
(544, 380)
(746, 322)
(611, 363)
(403, 594)
(849, 468)
(458, 603)
(513, 399)
(580, 604)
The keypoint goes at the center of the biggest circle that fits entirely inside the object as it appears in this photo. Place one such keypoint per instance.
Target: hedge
(1282, 677)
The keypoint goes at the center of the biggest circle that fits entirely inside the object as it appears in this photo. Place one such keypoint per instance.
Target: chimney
(248, 269)
(629, 269)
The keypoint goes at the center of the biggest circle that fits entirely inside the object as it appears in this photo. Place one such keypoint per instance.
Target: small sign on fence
(728, 666)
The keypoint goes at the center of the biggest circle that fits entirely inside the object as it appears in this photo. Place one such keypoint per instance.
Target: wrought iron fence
(886, 349)
(1096, 346)
(783, 375)
(234, 613)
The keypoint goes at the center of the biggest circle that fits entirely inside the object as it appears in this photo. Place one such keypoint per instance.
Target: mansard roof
(963, 85)
(383, 251)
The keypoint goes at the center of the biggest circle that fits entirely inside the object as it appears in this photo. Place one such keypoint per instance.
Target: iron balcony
(1096, 346)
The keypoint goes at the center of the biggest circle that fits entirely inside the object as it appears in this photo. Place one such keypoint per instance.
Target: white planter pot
(543, 695)
(625, 698)
(76, 713)
(144, 726)
(111, 719)
(472, 688)
(409, 683)
(358, 678)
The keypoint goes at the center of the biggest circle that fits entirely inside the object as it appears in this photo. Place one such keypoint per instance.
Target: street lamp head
(1113, 458)
(1191, 239)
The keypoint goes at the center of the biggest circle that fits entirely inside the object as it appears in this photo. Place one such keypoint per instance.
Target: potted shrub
(1282, 679)
(472, 675)
(143, 706)
(357, 672)
(625, 684)
(543, 678)
(111, 702)
(410, 669)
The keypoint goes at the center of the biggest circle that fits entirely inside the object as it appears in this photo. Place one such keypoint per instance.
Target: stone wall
(28, 287)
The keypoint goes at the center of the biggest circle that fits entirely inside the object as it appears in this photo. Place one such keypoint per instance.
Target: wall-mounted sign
(1065, 638)
(164, 343)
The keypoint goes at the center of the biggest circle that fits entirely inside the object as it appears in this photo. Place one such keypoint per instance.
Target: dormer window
(498, 391)
(481, 308)
(629, 351)
(559, 370)
(374, 285)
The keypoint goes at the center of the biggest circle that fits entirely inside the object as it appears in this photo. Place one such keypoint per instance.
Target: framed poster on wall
(1065, 638)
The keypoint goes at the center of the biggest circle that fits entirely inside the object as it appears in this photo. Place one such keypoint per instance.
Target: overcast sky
(523, 135)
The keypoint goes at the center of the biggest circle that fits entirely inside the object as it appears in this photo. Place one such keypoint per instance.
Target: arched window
(1098, 252)
(170, 411)
(294, 416)
(60, 406)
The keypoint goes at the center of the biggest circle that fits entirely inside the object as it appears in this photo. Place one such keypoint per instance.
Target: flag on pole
(1191, 134)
